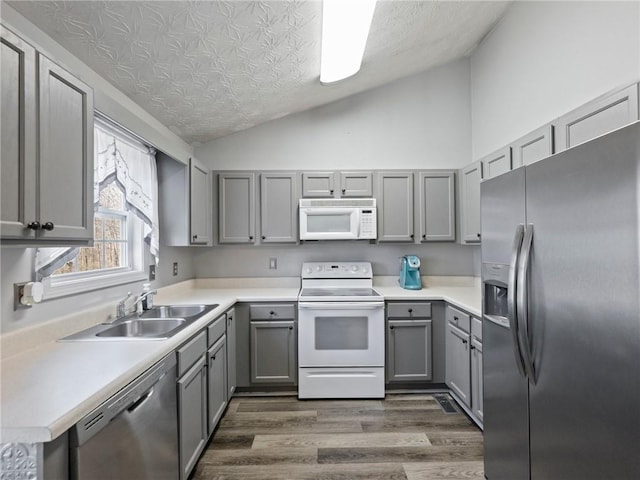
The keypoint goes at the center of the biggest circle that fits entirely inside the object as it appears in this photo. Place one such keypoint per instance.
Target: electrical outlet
(273, 263)
(175, 269)
(152, 272)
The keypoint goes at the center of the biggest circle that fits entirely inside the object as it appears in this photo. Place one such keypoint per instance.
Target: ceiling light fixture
(345, 28)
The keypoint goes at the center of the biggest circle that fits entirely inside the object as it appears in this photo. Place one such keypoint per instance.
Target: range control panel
(337, 270)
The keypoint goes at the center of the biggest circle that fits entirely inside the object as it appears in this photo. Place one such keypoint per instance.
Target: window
(125, 200)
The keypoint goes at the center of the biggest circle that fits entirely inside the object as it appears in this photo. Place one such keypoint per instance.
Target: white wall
(546, 58)
(419, 122)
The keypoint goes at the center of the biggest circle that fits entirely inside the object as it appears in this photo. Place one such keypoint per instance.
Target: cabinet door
(217, 358)
(497, 163)
(457, 371)
(598, 117)
(470, 178)
(192, 416)
(199, 203)
(231, 353)
(237, 207)
(356, 184)
(476, 379)
(533, 147)
(318, 184)
(273, 352)
(437, 207)
(18, 146)
(278, 208)
(395, 206)
(65, 166)
(409, 350)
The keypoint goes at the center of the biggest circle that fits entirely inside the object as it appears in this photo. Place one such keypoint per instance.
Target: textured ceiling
(207, 69)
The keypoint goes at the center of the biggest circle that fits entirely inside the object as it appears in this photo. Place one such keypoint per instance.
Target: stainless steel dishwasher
(134, 434)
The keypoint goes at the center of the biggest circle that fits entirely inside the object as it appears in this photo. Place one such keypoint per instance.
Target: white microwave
(338, 219)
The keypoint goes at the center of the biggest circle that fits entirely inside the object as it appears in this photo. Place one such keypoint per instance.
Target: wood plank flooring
(404, 437)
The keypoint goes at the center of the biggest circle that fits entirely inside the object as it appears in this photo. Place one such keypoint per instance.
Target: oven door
(329, 223)
(341, 334)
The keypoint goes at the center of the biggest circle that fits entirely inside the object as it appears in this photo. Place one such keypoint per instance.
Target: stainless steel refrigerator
(561, 314)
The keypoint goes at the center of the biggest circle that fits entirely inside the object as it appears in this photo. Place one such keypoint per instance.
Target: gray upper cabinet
(278, 208)
(184, 202)
(533, 146)
(437, 206)
(356, 184)
(18, 146)
(318, 184)
(337, 184)
(602, 115)
(497, 163)
(236, 207)
(470, 178)
(47, 178)
(394, 194)
(199, 203)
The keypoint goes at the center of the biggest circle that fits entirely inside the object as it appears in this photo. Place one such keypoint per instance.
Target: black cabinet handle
(290, 328)
(344, 190)
(472, 347)
(455, 318)
(411, 235)
(464, 341)
(424, 236)
(391, 327)
(478, 235)
(272, 312)
(48, 226)
(213, 357)
(250, 237)
(195, 237)
(34, 225)
(331, 191)
(410, 310)
(263, 237)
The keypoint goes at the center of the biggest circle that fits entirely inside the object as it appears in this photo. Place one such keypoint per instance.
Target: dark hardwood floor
(405, 436)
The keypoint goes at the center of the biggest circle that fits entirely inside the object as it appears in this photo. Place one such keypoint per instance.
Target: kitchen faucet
(121, 307)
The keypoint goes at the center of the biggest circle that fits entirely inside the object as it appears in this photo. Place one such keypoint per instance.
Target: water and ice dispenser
(495, 280)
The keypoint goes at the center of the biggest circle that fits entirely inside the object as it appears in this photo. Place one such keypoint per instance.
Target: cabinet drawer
(409, 310)
(216, 329)
(459, 318)
(476, 328)
(272, 312)
(189, 353)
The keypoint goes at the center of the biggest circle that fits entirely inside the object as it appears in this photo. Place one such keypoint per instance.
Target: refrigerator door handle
(512, 313)
(523, 303)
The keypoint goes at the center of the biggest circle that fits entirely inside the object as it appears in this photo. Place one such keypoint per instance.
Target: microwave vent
(338, 202)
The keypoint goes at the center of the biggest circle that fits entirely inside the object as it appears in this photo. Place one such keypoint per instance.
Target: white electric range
(341, 332)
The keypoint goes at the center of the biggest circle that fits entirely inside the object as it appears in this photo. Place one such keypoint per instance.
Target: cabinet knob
(34, 225)
(391, 327)
(455, 318)
(344, 190)
(48, 226)
(331, 191)
(464, 341)
(195, 237)
(213, 357)
(272, 312)
(472, 347)
(424, 235)
(263, 237)
(411, 235)
(478, 235)
(250, 237)
(410, 310)
(290, 328)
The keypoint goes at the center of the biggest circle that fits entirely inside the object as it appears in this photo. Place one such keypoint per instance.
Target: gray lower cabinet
(184, 197)
(236, 207)
(409, 342)
(476, 378)
(533, 146)
(437, 206)
(458, 375)
(273, 343)
(192, 415)
(231, 353)
(470, 178)
(394, 194)
(278, 207)
(602, 115)
(47, 164)
(217, 371)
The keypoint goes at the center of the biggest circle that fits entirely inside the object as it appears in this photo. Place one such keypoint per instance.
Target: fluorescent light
(345, 28)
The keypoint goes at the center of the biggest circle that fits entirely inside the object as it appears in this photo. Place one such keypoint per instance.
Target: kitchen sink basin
(157, 323)
(148, 328)
(176, 311)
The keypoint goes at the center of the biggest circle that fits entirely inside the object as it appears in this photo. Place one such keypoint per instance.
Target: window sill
(87, 284)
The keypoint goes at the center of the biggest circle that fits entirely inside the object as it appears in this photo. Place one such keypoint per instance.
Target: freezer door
(506, 419)
(584, 311)
(501, 211)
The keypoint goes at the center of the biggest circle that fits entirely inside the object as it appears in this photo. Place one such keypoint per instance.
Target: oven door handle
(341, 305)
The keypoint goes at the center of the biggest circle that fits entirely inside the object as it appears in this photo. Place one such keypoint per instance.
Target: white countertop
(49, 387)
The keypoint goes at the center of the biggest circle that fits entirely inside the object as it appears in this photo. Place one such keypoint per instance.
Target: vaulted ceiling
(206, 69)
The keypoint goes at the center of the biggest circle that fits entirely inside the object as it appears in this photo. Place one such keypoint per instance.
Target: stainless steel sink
(175, 311)
(148, 328)
(160, 322)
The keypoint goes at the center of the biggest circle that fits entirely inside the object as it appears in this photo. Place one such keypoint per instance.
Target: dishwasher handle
(129, 398)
